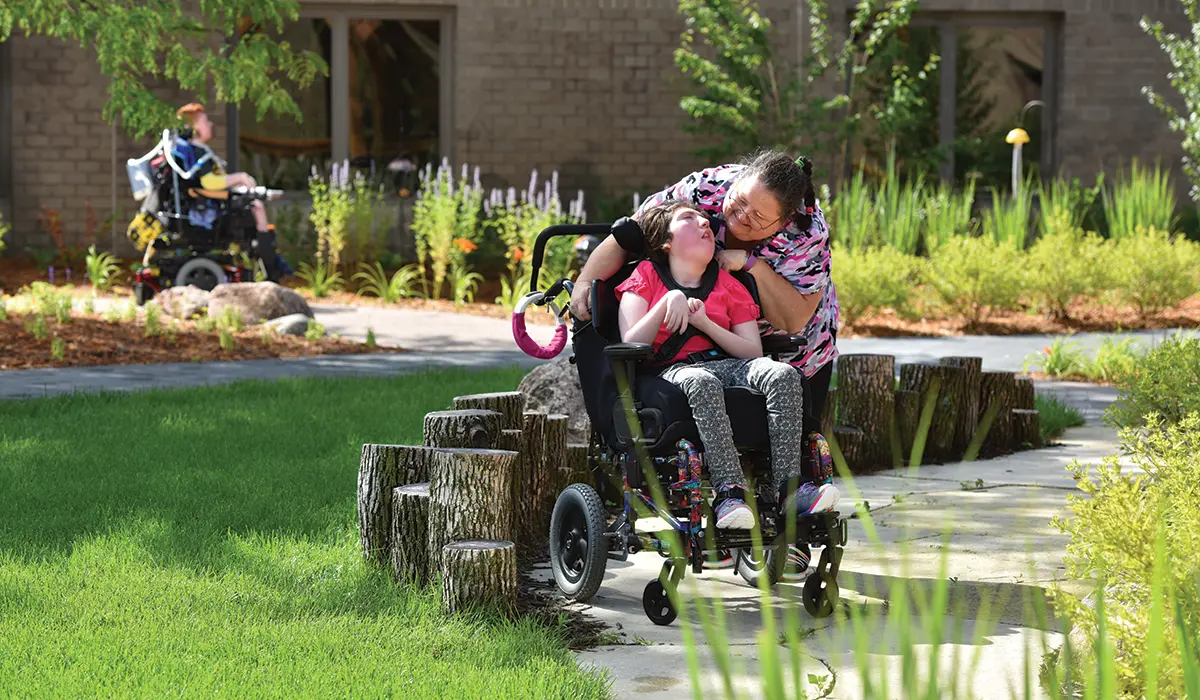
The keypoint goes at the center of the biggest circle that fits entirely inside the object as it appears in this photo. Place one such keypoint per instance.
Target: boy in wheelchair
(704, 344)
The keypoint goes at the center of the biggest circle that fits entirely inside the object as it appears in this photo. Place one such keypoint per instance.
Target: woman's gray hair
(788, 180)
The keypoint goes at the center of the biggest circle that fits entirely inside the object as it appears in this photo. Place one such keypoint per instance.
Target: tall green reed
(1008, 221)
(898, 209)
(853, 218)
(1064, 205)
(948, 214)
(1142, 197)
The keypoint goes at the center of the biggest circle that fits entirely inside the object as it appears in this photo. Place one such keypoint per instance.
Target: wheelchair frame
(680, 501)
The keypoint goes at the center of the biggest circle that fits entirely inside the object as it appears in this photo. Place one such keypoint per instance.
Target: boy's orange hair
(190, 111)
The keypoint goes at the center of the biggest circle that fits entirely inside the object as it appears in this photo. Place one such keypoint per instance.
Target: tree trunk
(470, 497)
(866, 385)
(509, 440)
(553, 475)
(470, 428)
(1024, 398)
(998, 388)
(479, 572)
(968, 404)
(1026, 429)
(511, 404)
(908, 415)
(410, 533)
(851, 441)
(829, 412)
(939, 443)
(381, 469)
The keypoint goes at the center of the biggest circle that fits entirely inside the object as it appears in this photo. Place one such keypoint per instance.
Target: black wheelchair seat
(667, 417)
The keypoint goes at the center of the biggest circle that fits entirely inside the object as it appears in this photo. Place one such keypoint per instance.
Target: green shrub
(1152, 272)
(1164, 383)
(1055, 416)
(1115, 358)
(873, 279)
(1063, 265)
(1061, 358)
(975, 276)
(1147, 583)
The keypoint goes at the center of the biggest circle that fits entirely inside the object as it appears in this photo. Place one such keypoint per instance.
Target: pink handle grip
(530, 346)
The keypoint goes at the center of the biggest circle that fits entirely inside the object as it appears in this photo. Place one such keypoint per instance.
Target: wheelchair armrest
(628, 351)
(781, 344)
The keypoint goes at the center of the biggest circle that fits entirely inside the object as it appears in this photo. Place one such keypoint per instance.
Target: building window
(997, 72)
(386, 99)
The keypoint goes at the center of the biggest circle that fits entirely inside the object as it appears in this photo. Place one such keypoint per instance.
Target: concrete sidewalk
(990, 520)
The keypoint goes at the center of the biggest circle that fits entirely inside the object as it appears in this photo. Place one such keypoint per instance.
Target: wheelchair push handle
(520, 333)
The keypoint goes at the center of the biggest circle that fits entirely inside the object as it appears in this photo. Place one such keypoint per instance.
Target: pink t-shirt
(728, 305)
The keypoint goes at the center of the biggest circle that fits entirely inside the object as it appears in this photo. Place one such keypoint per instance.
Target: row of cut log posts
(932, 412)
(465, 504)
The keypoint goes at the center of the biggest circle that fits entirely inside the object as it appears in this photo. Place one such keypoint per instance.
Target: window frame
(339, 16)
(948, 25)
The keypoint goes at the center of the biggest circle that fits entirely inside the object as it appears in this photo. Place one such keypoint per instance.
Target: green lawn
(204, 541)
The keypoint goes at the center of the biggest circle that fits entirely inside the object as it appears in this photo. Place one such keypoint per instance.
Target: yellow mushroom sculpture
(1017, 137)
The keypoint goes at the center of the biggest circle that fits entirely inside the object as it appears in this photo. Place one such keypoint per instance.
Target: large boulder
(554, 388)
(257, 301)
(183, 302)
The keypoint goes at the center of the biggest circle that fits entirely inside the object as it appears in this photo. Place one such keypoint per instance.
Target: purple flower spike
(68, 275)
(51, 274)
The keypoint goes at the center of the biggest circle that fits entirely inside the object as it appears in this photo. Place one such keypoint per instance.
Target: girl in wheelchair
(702, 326)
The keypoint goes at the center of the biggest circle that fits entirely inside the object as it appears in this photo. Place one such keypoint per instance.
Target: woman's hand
(731, 260)
(676, 303)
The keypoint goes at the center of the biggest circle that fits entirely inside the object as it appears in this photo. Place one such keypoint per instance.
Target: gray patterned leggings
(704, 385)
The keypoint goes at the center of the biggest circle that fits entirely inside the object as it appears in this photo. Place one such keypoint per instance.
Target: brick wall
(587, 87)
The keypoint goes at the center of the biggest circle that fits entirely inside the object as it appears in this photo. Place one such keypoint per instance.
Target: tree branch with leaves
(1184, 55)
(140, 42)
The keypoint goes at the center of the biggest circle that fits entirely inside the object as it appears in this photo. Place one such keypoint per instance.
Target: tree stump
(1024, 396)
(510, 404)
(908, 415)
(470, 428)
(553, 470)
(526, 482)
(509, 440)
(829, 412)
(968, 404)
(479, 572)
(410, 533)
(851, 441)
(1026, 429)
(470, 497)
(381, 469)
(998, 388)
(866, 394)
(939, 443)
(578, 469)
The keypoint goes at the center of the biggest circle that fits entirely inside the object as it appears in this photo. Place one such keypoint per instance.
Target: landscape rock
(554, 388)
(257, 301)
(292, 324)
(183, 302)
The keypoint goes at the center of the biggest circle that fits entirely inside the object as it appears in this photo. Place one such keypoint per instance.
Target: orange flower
(518, 254)
(465, 245)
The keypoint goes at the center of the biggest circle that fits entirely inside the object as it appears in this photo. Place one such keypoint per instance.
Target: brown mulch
(90, 340)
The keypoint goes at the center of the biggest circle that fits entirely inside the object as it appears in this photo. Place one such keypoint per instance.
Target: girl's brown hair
(656, 226)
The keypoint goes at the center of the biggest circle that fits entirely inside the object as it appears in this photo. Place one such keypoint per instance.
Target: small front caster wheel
(821, 595)
(657, 604)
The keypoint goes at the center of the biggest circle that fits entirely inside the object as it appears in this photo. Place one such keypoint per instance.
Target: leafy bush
(102, 268)
(1114, 359)
(872, 279)
(1152, 272)
(1164, 383)
(376, 283)
(975, 276)
(1061, 358)
(1147, 582)
(446, 218)
(1065, 264)
(4, 229)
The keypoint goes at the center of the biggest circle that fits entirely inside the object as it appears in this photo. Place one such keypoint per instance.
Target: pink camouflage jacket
(801, 257)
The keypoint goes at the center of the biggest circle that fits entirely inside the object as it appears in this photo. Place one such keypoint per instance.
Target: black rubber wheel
(657, 604)
(578, 551)
(821, 595)
(201, 272)
(751, 569)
